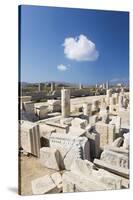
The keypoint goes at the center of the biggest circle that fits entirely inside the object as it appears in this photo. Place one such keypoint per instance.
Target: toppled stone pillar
(65, 102)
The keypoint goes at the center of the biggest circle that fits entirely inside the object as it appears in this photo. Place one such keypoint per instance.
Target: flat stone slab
(111, 168)
(50, 158)
(114, 158)
(82, 167)
(43, 185)
(88, 170)
(75, 183)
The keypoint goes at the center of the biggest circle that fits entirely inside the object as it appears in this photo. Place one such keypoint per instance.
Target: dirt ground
(30, 169)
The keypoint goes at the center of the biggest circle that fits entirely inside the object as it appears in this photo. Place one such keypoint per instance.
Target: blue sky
(73, 45)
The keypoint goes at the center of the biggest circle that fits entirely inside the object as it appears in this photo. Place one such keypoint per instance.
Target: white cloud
(62, 67)
(80, 49)
(115, 79)
(119, 79)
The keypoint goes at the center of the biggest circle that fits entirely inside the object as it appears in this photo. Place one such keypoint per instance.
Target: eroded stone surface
(50, 158)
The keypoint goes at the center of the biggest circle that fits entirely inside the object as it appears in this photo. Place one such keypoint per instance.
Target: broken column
(65, 102)
(52, 86)
(87, 109)
(30, 138)
(39, 87)
(80, 86)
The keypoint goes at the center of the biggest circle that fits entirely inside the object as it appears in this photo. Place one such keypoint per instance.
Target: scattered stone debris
(86, 143)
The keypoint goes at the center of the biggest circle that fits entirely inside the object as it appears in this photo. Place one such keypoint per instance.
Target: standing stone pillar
(65, 102)
(116, 95)
(52, 86)
(80, 86)
(87, 109)
(107, 85)
(121, 101)
(108, 95)
(39, 87)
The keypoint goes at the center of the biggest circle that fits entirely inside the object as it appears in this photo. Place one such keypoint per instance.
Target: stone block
(117, 142)
(28, 106)
(57, 179)
(112, 168)
(44, 185)
(126, 141)
(51, 158)
(106, 132)
(79, 123)
(70, 147)
(30, 137)
(115, 158)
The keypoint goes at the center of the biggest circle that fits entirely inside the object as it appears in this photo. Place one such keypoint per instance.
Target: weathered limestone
(94, 139)
(95, 105)
(108, 95)
(45, 132)
(93, 119)
(41, 111)
(54, 105)
(116, 96)
(79, 123)
(74, 183)
(52, 86)
(105, 117)
(45, 185)
(30, 137)
(70, 147)
(66, 121)
(112, 100)
(125, 118)
(89, 171)
(120, 102)
(57, 179)
(65, 102)
(87, 109)
(39, 87)
(28, 106)
(50, 158)
(82, 167)
(77, 131)
(107, 85)
(92, 181)
(126, 141)
(117, 142)
(115, 159)
(61, 128)
(112, 168)
(25, 99)
(107, 133)
(116, 120)
(120, 150)
(80, 86)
